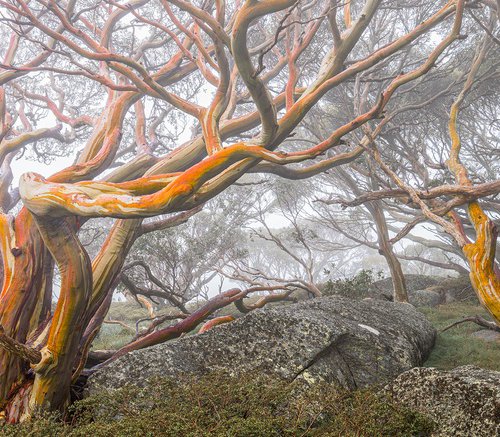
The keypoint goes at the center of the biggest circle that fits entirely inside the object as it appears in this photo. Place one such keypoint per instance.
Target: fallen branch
(246, 308)
(99, 356)
(120, 323)
(156, 321)
(189, 323)
(478, 320)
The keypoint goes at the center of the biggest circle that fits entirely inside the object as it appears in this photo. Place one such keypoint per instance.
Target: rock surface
(425, 298)
(354, 343)
(487, 335)
(428, 290)
(383, 289)
(463, 402)
(456, 290)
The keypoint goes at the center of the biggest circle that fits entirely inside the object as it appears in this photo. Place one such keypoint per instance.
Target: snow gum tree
(163, 104)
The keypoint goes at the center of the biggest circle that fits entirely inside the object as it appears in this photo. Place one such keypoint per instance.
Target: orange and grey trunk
(25, 286)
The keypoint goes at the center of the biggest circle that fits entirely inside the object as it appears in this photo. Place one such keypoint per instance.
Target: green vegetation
(127, 311)
(112, 337)
(356, 286)
(455, 347)
(219, 405)
(115, 336)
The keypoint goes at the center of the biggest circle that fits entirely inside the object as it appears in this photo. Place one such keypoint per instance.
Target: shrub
(219, 405)
(356, 286)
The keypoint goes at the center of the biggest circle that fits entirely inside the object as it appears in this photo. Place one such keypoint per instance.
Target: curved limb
(14, 347)
(264, 300)
(478, 320)
(207, 326)
(484, 273)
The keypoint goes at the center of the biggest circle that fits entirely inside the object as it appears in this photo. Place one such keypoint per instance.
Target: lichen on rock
(463, 402)
(331, 339)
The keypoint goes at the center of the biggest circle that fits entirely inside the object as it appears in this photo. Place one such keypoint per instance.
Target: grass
(219, 405)
(115, 336)
(456, 347)
(111, 337)
(127, 312)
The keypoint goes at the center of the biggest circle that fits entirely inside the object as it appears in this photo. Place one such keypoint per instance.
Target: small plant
(356, 286)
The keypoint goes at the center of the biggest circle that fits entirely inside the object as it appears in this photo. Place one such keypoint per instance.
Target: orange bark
(53, 373)
(484, 272)
(24, 257)
(215, 322)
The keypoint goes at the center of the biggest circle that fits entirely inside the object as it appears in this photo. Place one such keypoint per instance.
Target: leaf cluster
(355, 286)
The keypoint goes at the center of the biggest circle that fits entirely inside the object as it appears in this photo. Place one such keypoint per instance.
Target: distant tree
(175, 265)
(296, 251)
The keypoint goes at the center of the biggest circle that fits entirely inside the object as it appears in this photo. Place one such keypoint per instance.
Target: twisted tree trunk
(53, 373)
(25, 287)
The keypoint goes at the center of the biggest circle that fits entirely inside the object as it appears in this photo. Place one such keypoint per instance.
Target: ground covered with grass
(219, 405)
(114, 336)
(456, 347)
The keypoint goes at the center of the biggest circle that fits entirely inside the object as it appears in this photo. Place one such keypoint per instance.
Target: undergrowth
(218, 405)
(356, 286)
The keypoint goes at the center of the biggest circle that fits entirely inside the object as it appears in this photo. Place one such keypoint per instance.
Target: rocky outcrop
(383, 289)
(425, 298)
(427, 291)
(463, 402)
(456, 290)
(353, 343)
